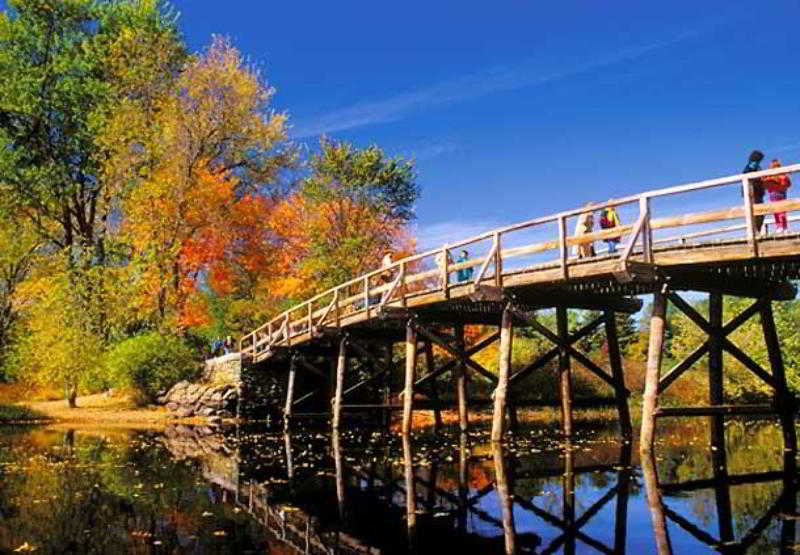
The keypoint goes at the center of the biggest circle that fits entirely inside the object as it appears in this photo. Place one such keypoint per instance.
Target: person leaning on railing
(584, 226)
(464, 274)
(609, 220)
(778, 186)
(754, 165)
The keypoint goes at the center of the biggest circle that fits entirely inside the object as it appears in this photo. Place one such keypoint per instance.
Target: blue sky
(518, 109)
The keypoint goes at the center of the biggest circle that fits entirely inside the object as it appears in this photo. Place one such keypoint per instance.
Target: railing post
(366, 295)
(562, 245)
(647, 233)
(287, 334)
(445, 275)
(498, 261)
(402, 284)
(336, 308)
(310, 320)
(747, 194)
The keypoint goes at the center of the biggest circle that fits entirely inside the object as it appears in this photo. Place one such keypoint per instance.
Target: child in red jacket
(777, 186)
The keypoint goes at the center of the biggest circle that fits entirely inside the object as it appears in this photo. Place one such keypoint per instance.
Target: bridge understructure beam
(783, 404)
(509, 383)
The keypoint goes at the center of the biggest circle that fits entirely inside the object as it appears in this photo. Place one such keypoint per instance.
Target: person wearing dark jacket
(754, 165)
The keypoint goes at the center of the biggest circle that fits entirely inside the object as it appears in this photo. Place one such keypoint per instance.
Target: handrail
(643, 228)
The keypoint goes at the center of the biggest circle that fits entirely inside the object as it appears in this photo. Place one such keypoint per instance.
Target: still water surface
(198, 490)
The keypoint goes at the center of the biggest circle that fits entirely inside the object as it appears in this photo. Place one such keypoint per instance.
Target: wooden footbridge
(339, 341)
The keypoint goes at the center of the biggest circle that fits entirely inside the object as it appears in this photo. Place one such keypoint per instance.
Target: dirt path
(111, 412)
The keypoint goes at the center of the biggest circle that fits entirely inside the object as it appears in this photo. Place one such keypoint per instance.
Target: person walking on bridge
(778, 186)
(754, 165)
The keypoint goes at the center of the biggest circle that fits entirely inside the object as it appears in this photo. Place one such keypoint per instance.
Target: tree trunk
(72, 395)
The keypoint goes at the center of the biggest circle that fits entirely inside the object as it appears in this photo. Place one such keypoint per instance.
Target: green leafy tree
(364, 199)
(18, 246)
(57, 91)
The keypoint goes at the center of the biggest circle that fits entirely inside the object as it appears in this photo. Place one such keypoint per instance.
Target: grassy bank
(16, 414)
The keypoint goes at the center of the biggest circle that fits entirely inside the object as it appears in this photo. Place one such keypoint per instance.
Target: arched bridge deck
(510, 272)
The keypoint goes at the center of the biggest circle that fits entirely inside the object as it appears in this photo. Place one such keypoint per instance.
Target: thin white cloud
(502, 78)
(433, 149)
(437, 234)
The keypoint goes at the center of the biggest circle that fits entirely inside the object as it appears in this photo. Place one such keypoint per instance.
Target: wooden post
(505, 497)
(463, 480)
(337, 461)
(341, 366)
(461, 382)
(498, 261)
(411, 365)
(287, 409)
(660, 531)
(562, 246)
(716, 393)
(623, 494)
(654, 354)
(615, 361)
(504, 369)
(647, 231)
(564, 371)
(750, 220)
(783, 397)
(387, 387)
(287, 444)
(437, 413)
(568, 497)
(411, 491)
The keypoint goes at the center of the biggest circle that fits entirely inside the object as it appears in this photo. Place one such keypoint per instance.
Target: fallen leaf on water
(25, 547)
(220, 533)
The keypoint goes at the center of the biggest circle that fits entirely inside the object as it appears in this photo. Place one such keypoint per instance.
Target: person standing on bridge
(464, 274)
(778, 186)
(754, 165)
(609, 220)
(584, 226)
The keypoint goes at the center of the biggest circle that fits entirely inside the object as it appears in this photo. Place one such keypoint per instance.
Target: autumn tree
(219, 146)
(355, 205)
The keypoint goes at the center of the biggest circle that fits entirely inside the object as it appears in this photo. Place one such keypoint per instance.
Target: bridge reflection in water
(328, 494)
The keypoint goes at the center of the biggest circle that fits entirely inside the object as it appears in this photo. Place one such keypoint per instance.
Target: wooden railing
(412, 276)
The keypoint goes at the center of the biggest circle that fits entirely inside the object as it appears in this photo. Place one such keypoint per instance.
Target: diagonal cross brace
(719, 335)
(574, 353)
(457, 353)
(552, 353)
(379, 365)
(453, 363)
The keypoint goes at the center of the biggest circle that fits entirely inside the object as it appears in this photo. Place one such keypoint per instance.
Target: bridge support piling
(387, 387)
(341, 367)
(615, 361)
(437, 414)
(783, 398)
(461, 382)
(654, 353)
(504, 369)
(411, 365)
(287, 409)
(564, 371)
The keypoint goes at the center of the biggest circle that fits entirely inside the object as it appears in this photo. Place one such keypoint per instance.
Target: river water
(241, 490)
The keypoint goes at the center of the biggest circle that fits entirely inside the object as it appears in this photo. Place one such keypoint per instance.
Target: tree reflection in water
(198, 490)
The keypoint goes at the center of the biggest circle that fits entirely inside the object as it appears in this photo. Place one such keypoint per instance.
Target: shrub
(150, 363)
